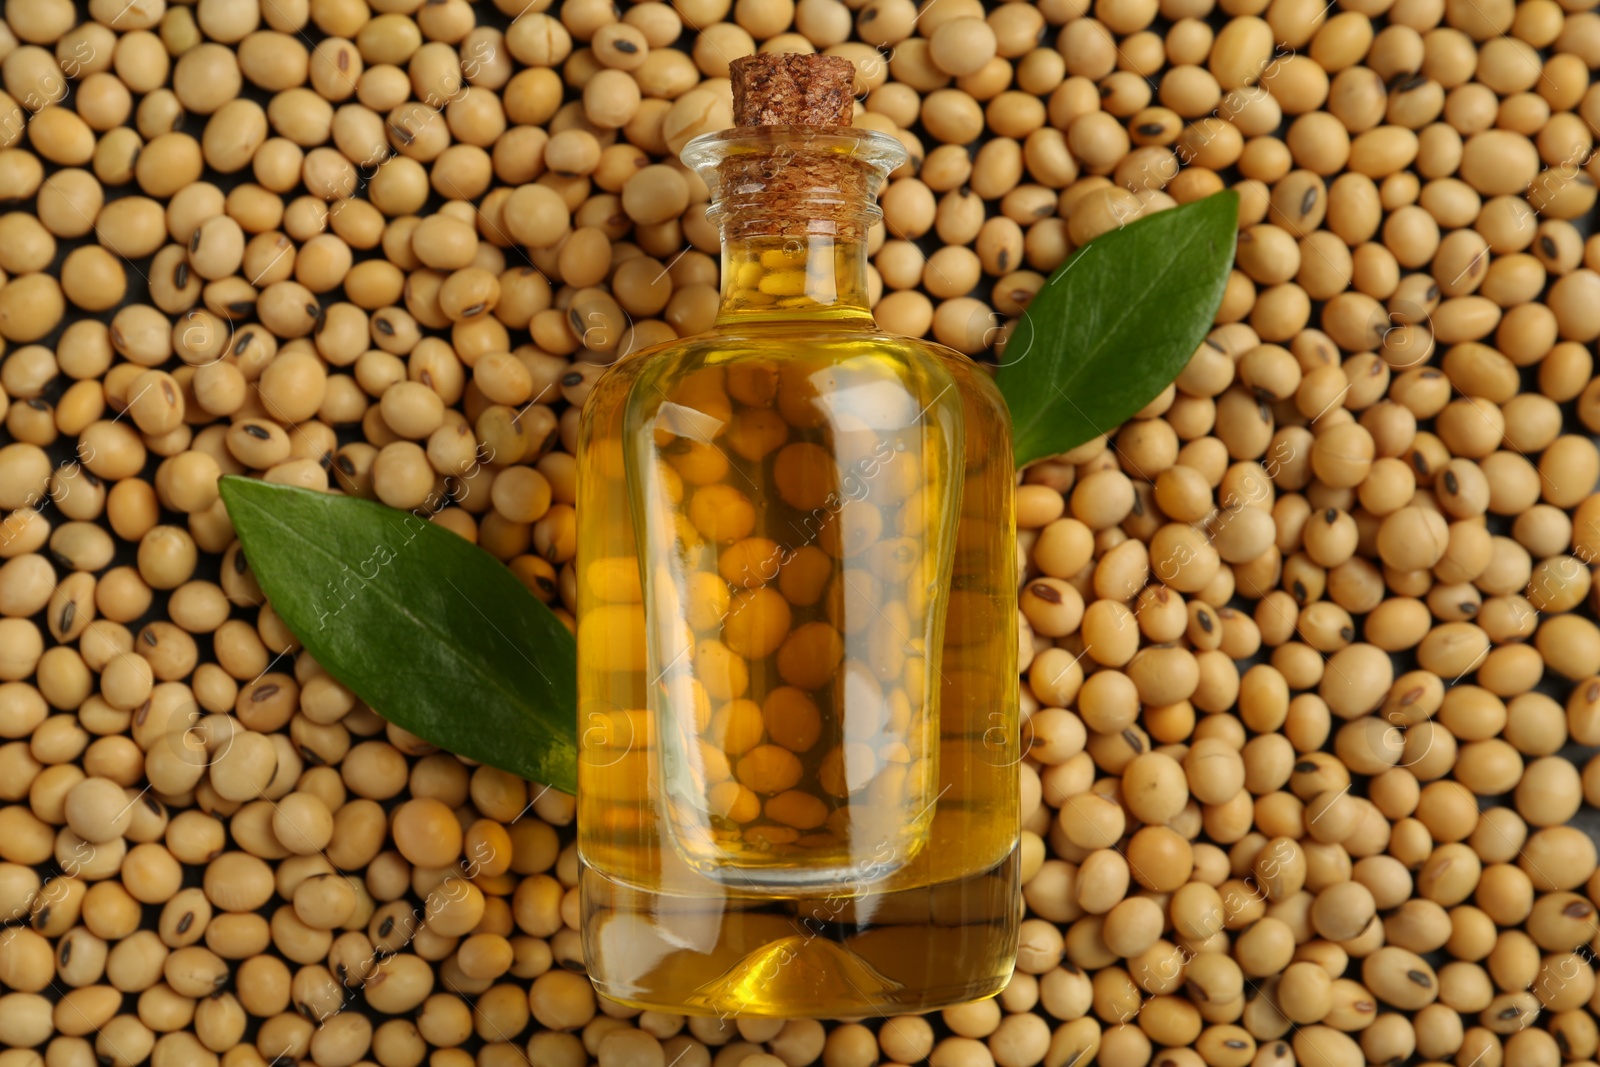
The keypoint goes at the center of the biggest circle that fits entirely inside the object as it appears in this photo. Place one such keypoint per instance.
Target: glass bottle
(797, 637)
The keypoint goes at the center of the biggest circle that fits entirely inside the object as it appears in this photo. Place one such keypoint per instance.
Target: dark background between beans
(62, 451)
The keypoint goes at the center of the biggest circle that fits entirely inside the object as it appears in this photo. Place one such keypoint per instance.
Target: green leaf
(1115, 325)
(435, 634)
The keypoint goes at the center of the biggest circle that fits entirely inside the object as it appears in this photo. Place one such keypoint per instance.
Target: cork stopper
(811, 183)
(779, 89)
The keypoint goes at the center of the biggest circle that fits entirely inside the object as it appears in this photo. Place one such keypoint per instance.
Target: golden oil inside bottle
(797, 659)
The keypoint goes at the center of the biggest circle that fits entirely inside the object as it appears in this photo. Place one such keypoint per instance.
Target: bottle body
(797, 637)
(797, 675)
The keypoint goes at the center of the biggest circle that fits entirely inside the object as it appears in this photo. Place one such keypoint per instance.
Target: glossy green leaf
(1115, 325)
(435, 634)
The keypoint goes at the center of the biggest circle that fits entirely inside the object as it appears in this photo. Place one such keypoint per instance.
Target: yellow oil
(797, 660)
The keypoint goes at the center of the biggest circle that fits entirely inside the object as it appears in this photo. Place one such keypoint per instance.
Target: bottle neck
(795, 204)
(782, 277)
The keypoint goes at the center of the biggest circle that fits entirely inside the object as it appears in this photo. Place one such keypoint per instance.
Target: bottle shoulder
(828, 340)
(823, 344)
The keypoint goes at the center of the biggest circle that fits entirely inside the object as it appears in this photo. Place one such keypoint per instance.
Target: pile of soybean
(1308, 643)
